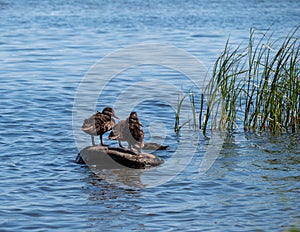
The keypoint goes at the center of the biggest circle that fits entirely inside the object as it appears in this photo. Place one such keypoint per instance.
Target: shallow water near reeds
(46, 49)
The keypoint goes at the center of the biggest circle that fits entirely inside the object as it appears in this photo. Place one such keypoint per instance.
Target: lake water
(48, 47)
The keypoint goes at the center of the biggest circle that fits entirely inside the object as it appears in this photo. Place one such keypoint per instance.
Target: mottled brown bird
(129, 130)
(99, 123)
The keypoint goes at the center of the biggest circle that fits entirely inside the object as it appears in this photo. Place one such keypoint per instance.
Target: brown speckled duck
(99, 123)
(129, 130)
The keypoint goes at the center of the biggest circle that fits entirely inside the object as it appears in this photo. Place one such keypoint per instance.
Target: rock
(112, 157)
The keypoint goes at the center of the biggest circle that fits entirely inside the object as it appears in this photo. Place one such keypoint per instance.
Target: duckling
(129, 130)
(99, 123)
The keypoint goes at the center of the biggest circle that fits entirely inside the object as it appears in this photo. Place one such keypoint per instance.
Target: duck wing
(136, 131)
(103, 123)
(88, 126)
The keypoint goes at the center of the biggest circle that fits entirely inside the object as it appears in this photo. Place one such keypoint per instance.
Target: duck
(129, 130)
(99, 123)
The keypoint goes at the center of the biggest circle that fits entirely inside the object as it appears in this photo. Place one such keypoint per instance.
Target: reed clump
(258, 85)
(255, 86)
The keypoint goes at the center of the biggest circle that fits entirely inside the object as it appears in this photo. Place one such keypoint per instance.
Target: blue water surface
(46, 49)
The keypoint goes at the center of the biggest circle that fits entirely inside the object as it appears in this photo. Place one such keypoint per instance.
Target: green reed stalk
(177, 116)
(201, 110)
(259, 83)
(178, 127)
(255, 55)
(193, 107)
(277, 91)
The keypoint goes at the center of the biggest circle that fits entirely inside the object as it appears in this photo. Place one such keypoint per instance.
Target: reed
(255, 86)
(260, 82)
(180, 101)
(194, 111)
(193, 123)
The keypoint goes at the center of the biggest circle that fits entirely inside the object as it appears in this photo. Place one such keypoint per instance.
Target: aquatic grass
(276, 94)
(201, 110)
(260, 82)
(221, 91)
(180, 101)
(193, 108)
(255, 86)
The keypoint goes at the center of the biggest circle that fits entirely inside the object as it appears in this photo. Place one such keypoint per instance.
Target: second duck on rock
(129, 130)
